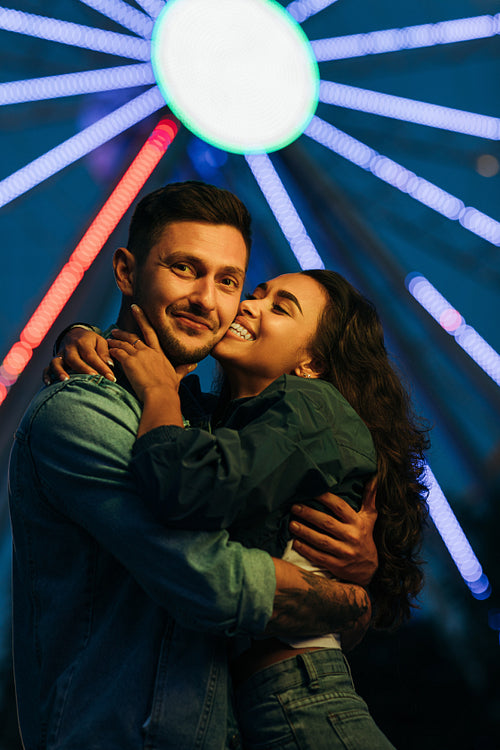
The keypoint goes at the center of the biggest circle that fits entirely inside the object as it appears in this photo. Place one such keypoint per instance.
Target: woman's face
(271, 334)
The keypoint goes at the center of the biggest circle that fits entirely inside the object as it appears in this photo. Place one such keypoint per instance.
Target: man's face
(190, 286)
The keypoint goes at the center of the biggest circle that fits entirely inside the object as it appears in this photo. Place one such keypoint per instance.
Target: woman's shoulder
(313, 389)
(319, 401)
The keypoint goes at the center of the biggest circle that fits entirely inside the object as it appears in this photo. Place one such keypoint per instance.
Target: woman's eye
(280, 309)
(250, 296)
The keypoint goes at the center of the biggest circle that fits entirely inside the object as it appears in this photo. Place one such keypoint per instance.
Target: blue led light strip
(152, 7)
(403, 179)
(453, 323)
(303, 9)
(409, 37)
(74, 34)
(80, 144)
(123, 14)
(455, 540)
(72, 84)
(284, 211)
(411, 110)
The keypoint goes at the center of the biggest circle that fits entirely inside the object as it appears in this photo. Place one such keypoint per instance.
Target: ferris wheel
(311, 103)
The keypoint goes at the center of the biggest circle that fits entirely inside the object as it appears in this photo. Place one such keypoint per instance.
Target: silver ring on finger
(135, 342)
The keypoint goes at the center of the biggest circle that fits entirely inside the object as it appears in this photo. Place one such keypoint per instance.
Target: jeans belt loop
(308, 664)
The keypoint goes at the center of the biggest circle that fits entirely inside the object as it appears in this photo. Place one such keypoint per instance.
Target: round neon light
(240, 74)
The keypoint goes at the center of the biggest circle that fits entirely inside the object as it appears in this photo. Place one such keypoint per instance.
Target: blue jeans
(307, 702)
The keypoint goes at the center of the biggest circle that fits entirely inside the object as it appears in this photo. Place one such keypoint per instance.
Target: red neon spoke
(85, 253)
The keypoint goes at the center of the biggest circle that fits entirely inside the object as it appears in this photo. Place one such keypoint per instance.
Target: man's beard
(178, 354)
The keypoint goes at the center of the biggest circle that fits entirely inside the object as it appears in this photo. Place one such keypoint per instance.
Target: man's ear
(124, 267)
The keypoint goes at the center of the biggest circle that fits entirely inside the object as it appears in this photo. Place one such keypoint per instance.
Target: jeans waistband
(304, 669)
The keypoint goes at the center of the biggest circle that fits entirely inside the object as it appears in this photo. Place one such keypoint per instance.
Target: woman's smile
(241, 332)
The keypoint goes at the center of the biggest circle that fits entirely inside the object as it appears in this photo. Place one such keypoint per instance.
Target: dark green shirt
(295, 440)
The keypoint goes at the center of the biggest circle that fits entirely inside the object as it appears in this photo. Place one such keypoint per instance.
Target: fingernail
(134, 307)
(63, 377)
(110, 362)
(297, 509)
(111, 377)
(294, 526)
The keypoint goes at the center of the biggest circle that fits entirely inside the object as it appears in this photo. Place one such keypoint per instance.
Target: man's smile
(193, 322)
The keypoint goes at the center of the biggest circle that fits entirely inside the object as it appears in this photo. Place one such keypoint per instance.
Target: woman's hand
(152, 376)
(142, 358)
(82, 351)
(343, 545)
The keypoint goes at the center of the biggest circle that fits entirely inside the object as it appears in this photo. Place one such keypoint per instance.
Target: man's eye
(182, 268)
(230, 282)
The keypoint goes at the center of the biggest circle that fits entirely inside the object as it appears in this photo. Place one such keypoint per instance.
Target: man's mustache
(197, 313)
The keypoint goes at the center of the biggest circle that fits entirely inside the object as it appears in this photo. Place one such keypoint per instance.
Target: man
(121, 625)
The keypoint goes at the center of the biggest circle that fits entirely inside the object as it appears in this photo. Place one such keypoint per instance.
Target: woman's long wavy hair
(349, 348)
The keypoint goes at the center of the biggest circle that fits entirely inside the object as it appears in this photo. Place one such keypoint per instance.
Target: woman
(310, 403)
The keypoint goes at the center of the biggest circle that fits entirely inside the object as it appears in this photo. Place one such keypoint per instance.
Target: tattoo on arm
(318, 606)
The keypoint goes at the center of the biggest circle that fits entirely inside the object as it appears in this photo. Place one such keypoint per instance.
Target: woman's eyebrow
(288, 295)
(282, 293)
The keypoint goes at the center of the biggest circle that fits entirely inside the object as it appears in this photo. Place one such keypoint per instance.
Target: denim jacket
(120, 624)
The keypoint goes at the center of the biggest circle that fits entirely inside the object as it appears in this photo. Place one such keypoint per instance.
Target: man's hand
(308, 605)
(343, 545)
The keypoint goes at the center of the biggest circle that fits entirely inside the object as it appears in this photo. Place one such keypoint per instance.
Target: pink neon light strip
(85, 253)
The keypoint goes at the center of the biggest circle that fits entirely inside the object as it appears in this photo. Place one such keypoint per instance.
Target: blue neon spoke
(410, 110)
(73, 84)
(453, 323)
(284, 211)
(409, 37)
(152, 7)
(303, 9)
(455, 540)
(123, 14)
(74, 34)
(404, 180)
(80, 144)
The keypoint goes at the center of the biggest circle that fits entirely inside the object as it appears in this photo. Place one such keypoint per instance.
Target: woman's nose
(249, 307)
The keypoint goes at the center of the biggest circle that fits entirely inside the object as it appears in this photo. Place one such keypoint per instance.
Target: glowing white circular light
(238, 73)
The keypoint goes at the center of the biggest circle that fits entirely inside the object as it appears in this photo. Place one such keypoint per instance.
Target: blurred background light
(403, 179)
(398, 107)
(78, 145)
(74, 84)
(85, 253)
(450, 319)
(152, 7)
(74, 34)
(123, 14)
(487, 165)
(238, 73)
(301, 10)
(455, 540)
(409, 37)
(284, 211)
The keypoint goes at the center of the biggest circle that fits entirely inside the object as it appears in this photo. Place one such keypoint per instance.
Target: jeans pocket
(356, 730)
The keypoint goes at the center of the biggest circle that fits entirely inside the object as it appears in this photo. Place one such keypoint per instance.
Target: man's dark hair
(185, 201)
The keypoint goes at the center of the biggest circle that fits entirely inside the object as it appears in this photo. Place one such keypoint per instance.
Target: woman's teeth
(241, 331)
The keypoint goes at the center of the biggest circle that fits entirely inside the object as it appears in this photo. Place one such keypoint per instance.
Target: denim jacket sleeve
(291, 443)
(79, 438)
